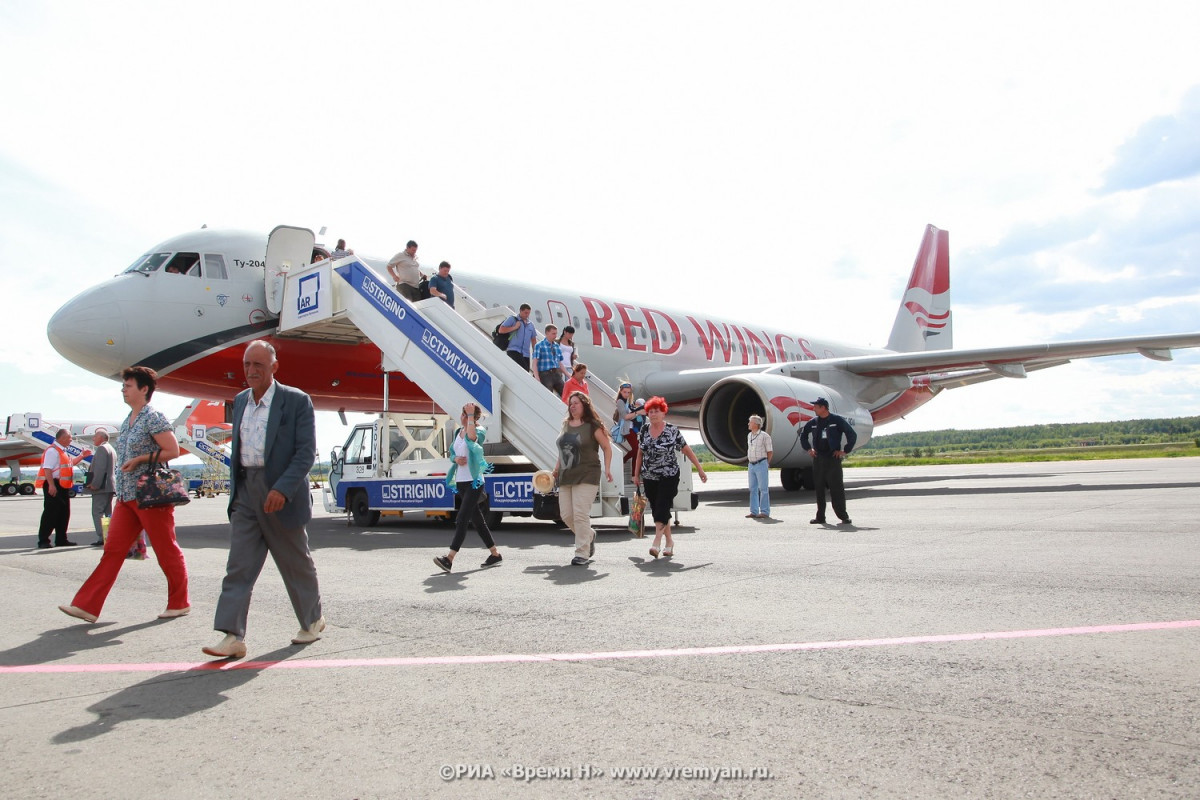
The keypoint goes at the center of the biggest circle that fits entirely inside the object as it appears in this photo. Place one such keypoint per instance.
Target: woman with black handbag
(146, 438)
(582, 439)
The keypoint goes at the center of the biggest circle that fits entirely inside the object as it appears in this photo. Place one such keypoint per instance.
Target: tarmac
(997, 630)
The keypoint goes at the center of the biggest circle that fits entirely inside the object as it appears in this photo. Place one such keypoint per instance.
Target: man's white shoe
(230, 647)
(310, 634)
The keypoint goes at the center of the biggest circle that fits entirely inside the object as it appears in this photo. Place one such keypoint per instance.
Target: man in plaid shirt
(547, 362)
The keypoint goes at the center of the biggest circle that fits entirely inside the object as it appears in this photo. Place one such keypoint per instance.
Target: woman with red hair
(657, 466)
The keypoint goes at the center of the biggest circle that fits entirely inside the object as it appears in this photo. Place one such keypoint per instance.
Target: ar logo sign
(307, 300)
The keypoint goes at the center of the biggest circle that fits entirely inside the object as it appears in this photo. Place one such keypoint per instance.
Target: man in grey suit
(274, 447)
(103, 484)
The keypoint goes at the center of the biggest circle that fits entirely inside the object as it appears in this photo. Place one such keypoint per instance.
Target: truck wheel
(361, 512)
(28, 489)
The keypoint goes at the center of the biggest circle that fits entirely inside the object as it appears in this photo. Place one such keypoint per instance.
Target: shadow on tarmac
(568, 574)
(172, 695)
(903, 487)
(664, 567)
(72, 639)
(332, 532)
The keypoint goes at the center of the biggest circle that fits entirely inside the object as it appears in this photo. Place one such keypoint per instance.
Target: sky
(772, 162)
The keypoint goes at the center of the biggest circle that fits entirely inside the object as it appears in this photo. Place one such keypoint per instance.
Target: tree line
(1032, 437)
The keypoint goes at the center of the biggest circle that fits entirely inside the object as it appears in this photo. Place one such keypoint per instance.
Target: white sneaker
(310, 634)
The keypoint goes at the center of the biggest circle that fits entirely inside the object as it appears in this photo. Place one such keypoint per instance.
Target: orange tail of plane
(207, 414)
(923, 321)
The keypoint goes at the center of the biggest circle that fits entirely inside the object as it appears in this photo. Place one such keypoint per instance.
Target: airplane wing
(942, 368)
(1012, 362)
(11, 447)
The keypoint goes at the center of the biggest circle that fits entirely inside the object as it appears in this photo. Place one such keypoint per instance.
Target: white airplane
(26, 450)
(188, 305)
(17, 451)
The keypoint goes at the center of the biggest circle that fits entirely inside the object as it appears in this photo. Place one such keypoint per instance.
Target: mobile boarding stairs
(446, 351)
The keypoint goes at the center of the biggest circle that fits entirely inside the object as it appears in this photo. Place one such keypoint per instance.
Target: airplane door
(559, 314)
(287, 248)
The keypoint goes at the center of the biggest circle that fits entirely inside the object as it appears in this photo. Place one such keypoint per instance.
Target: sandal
(668, 553)
(653, 552)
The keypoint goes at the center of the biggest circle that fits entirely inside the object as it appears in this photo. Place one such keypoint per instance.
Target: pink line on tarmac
(518, 658)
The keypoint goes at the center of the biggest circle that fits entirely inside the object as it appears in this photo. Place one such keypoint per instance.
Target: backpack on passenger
(500, 339)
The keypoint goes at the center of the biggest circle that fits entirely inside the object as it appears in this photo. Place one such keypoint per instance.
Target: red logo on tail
(924, 319)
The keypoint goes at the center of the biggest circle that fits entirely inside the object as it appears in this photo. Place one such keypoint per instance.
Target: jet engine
(785, 404)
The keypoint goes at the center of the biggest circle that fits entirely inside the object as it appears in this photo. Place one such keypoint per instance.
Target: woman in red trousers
(143, 432)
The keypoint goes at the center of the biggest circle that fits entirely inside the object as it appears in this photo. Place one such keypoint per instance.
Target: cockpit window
(214, 266)
(184, 264)
(149, 262)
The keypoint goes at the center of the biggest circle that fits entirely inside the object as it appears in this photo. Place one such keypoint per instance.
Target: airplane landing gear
(796, 478)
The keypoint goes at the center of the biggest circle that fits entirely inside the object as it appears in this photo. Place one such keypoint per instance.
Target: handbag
(545, 506)
(161, 486)
(637, 512)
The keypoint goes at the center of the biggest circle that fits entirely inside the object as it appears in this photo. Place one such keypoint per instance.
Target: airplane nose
(90, 331)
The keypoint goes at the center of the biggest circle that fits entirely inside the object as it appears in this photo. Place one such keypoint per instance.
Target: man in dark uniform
(822, 437)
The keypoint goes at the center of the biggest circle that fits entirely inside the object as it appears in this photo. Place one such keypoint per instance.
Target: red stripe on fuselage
(336, 376)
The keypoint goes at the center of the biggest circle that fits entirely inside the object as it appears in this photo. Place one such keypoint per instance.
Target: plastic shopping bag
(637, 511)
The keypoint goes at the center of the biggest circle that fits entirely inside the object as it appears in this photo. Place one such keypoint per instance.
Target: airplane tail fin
(209, 414)
(923, 321)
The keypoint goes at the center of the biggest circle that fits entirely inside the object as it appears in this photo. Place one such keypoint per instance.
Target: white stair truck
(449, 353)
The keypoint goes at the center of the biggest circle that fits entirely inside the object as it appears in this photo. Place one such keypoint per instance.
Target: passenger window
(214, 266)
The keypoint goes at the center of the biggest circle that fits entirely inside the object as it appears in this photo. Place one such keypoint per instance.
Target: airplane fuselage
(187, 326)
(187, 307)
